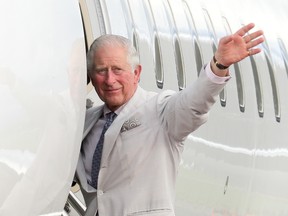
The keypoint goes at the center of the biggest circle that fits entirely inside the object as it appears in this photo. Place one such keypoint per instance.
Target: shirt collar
(107, 110)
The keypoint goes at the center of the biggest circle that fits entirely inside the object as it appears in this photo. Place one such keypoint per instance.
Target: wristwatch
(218, 65)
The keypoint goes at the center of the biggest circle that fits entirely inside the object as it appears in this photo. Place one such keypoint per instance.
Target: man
(141, 150)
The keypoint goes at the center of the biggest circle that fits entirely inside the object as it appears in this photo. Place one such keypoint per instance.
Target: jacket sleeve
(185, 111)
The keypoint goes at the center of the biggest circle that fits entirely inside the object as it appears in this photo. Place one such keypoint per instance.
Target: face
(112, 77)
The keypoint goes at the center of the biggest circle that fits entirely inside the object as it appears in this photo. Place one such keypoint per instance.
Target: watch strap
(218, 65)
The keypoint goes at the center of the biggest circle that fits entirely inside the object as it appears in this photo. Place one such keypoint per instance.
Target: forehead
(110, 54)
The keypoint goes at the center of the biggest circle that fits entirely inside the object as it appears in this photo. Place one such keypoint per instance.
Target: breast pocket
(130, 124)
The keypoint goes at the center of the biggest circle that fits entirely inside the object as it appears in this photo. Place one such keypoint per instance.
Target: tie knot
(110, 117)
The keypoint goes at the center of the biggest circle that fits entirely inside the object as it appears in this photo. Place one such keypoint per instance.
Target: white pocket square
(130, 124)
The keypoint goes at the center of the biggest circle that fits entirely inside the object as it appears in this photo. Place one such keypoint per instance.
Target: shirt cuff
(214, 78)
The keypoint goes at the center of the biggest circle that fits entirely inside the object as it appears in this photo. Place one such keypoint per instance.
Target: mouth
(111, 91)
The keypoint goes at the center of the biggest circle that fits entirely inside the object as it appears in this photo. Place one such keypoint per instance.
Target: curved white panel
(42, 94)
(235, 164)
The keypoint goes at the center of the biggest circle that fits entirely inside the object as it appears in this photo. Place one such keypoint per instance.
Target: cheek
(130, 81)
(131, 78)
(97, 84)
(95, 81)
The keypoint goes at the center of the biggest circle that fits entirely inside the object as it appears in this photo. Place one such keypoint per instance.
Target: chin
(114, 103)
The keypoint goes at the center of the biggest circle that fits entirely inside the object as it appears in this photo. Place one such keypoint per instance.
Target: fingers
(251, 40)
(254, 43)
(251, 52)
(252, 36)
(240, 44)
(245, 29)
(247, 37)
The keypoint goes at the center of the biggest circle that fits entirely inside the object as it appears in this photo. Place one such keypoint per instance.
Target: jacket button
(100, 192)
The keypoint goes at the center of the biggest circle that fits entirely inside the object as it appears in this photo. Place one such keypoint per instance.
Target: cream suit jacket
(142, 150)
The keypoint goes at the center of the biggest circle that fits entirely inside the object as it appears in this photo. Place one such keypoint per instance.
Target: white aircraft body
(42, 93)
(235, 164)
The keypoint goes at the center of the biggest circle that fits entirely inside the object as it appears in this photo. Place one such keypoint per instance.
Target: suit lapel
(92, 115)
(113, 132)
(91, 118)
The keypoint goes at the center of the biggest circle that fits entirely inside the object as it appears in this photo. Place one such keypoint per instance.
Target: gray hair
(114, 40)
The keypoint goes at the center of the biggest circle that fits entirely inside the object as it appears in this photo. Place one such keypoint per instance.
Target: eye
(101, 71)
(117, 70)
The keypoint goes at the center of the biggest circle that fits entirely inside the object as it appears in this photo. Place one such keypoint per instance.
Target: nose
(110, 77)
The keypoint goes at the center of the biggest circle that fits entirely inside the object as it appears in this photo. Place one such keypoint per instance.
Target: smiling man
(132, 144)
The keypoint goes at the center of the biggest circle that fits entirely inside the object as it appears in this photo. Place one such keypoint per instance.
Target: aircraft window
(135, 41)
(85, 38)
(177, 47)
(100, 16)
(158, 62)
(239, 84)
(274, 89)
(271, 71)
(197, 49)
(238, 75)
(222, 96)
(84, 29)
(179, 65)
(258, 88)
(198, 56)
(284, 54)
(213, 38)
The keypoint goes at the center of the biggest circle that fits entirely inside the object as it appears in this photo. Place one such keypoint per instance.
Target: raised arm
(235, 47)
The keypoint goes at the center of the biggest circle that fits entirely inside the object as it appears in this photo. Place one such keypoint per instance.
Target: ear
(137, 72)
